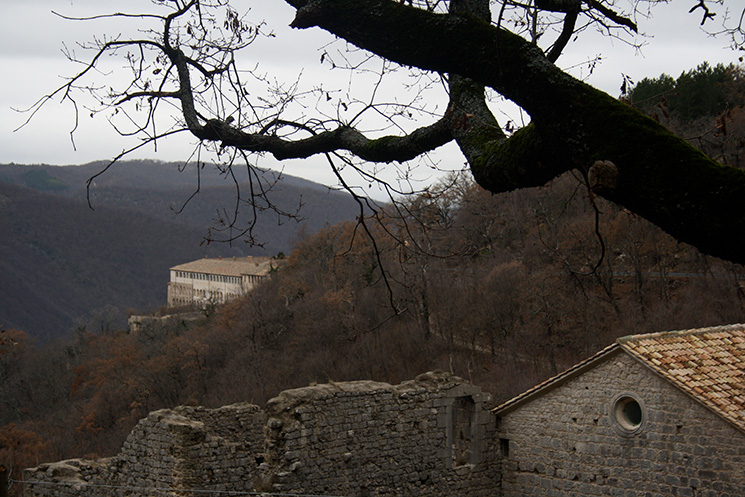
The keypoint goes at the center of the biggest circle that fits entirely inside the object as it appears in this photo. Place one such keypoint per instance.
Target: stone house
(652, 415)
(216, 280)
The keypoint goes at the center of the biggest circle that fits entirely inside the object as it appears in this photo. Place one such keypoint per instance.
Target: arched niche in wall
(462, 443)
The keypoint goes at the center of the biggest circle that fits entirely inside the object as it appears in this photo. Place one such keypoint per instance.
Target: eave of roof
(558, 380)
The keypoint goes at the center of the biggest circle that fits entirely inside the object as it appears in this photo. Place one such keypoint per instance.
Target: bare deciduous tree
(188, 67)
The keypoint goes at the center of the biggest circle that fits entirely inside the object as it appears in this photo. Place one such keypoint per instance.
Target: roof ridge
(691, 331)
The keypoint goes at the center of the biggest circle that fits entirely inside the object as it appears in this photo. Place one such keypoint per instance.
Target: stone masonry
(183, 448)
(431, 436)
(567, 443)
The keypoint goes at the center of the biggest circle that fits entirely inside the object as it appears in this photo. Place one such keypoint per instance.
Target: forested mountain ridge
(64, 263)
(152, 174)
(61, 261)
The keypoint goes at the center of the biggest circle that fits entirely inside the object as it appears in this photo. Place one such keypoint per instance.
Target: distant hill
(62, 262)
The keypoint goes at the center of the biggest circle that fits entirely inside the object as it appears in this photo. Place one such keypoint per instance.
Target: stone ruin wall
(183, 448)
(430, 436)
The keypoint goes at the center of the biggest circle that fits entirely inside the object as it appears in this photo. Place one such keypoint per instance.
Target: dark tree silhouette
(188, 67)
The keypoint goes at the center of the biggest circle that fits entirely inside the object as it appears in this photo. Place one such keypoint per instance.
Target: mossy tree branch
(659, 176)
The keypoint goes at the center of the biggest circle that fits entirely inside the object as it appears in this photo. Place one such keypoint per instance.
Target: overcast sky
(31, 39)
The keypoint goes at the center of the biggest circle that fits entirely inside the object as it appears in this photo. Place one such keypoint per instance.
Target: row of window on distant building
(209, 277)
(187, 296)
(218, 297)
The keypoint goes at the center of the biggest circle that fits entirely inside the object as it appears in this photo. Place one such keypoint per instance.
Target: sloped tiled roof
(229, 266)
(558, 380)
(708, 364)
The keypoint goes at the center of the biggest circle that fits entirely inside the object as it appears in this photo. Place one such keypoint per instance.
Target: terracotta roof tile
(707, 363)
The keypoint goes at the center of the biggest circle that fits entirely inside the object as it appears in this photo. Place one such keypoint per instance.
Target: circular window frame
(622, 408)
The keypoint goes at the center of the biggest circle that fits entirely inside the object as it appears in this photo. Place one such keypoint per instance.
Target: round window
(627, 411)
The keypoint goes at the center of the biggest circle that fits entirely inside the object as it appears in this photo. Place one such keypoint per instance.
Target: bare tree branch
(191, 65)
(612, 15)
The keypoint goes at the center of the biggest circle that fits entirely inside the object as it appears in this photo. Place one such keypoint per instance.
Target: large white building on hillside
(215, 281)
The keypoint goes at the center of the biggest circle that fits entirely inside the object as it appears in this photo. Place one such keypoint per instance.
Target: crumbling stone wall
(430, 436)
(190, 447)
(184, 448)
(567, 442)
